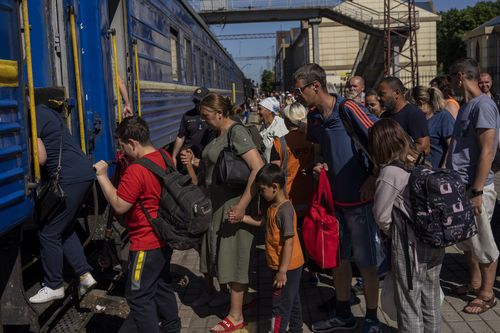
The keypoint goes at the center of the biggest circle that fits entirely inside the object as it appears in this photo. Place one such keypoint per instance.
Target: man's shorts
(359, 236)
(483, 246)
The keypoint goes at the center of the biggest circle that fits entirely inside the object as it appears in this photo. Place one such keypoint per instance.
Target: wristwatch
(475, 193)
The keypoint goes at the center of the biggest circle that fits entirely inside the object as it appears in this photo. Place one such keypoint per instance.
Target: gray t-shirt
(479, 113)
(284, 219)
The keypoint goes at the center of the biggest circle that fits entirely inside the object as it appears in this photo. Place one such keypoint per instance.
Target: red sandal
(228, 326)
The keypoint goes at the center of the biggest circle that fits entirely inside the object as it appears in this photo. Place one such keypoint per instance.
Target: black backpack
(442, 214)
(185, 209)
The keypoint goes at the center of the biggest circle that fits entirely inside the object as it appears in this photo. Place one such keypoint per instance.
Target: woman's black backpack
(185, 209)
(442, 213)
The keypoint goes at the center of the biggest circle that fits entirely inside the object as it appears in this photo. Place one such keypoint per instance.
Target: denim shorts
(359, 236)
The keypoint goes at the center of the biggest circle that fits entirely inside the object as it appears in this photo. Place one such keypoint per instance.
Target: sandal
(228, 326)
(464, 289)
(481, 303)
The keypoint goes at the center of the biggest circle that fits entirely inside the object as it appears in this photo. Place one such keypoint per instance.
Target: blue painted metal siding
(40, 44)
(96, 76)
(15, 206)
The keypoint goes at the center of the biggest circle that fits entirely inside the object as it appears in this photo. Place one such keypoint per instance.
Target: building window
(174, 51)
(478, 52)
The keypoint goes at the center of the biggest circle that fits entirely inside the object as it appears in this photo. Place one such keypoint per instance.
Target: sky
(266, 47)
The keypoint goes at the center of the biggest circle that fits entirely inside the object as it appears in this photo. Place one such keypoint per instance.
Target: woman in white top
(274, 126)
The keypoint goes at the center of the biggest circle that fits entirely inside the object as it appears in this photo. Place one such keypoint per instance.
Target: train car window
(206, 70)
(198, 62)
(216, 74)
(189, 61)
(174, 51)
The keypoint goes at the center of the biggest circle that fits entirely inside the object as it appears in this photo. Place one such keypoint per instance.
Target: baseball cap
(199, 94)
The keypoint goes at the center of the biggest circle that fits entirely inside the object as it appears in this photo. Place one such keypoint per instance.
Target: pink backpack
(321, 227)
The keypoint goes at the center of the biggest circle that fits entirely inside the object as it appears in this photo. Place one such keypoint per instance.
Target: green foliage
(266, 79)
(454, 23)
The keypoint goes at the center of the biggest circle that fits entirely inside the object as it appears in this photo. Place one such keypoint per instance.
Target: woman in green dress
(227, 246)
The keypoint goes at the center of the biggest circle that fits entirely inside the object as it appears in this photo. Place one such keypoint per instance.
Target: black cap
(199, 94)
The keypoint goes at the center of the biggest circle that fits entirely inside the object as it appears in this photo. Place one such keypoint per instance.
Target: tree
(454, 23)
(266, 79)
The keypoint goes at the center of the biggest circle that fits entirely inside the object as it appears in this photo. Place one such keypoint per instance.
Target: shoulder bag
(51, 195)
(230, 169)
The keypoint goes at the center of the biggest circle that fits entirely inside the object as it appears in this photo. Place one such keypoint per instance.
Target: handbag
(230, 169)
(321, 228)
(51, 195)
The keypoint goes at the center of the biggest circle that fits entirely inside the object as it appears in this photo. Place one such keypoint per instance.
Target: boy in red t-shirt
(149, 294)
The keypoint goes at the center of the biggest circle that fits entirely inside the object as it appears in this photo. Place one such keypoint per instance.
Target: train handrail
(76, 65)
(112, 33)
(31, 90)
(137, 80)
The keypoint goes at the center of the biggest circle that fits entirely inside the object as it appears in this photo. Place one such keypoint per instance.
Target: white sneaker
(87, 282)
(47, 294)
(203, 299)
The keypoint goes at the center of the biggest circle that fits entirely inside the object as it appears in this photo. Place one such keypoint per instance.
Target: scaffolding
(396, 28)
(400, 41)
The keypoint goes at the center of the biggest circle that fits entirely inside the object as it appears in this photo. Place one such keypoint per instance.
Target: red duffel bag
(321, 228)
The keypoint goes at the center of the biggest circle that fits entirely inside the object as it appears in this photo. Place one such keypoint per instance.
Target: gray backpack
(185, 209)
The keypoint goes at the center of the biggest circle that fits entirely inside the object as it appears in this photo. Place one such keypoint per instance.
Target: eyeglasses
(300, 91)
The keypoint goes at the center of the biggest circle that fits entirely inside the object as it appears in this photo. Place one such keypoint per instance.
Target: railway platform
(189, 284)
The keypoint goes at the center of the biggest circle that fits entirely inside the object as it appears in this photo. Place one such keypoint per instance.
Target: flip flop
(464, 289)
(481, 303)
(228, 326)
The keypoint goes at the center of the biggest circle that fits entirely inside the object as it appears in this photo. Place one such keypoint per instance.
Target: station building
(483, 44)
(344, 51)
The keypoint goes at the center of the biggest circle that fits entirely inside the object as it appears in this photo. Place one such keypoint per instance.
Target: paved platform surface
(203, 318)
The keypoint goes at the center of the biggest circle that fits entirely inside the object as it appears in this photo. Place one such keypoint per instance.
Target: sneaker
(204, 298)
(335, 324)
(221, 298)
(87, 283)
(47, 294)
(371, 326)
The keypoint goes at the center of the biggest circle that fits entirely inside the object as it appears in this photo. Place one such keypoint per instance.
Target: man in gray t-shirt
(477, 114)
(473, 146)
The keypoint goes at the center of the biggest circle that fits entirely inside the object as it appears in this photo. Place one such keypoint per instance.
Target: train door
(117, 10)
(81, 51)
(15, 205)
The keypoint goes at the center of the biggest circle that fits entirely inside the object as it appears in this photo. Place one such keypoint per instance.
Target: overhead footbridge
(388, 29)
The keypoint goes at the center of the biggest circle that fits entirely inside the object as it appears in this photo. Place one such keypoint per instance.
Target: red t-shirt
(138, 183)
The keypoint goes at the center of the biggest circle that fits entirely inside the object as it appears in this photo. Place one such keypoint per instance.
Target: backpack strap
(343, 113)
(145, 211)
(155, 168)
(229, 131)
(284, 157)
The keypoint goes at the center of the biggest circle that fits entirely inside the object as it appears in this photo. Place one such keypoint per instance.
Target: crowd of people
(453, 123)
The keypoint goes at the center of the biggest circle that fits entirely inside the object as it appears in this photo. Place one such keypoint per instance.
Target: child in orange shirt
(283, 251)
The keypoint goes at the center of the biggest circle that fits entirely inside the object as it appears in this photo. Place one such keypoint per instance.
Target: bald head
(357, 84)
(485, 82)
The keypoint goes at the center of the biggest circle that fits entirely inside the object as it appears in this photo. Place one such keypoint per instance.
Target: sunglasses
(300, 91)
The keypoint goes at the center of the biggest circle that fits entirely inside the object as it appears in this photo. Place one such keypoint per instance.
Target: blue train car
(15, 204)
(164, 51)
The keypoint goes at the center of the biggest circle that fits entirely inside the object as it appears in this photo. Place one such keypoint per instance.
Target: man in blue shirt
(473, 146)
(412, 120)
(352, 188)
